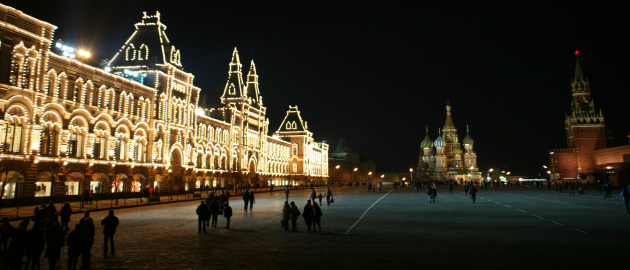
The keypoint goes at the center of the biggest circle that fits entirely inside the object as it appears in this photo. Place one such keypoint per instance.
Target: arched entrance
(176, 170)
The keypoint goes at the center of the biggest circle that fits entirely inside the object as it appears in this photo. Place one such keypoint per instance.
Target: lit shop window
(72, 188)
(95, 186)
(42, 189)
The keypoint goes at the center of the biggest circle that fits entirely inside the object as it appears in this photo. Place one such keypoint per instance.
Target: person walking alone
(295, 213)
(317, 216)
(202, 216)
(214, 211)
(110, 223)
(246, 199)
(87, 239)
(227, 212)
(328, 196)
(286, 193)
(308, 214)
(74, 247)
(251, 201)
(473, 193)
(286, 215)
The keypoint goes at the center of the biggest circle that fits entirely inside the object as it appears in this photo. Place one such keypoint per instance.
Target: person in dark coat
(202, 215)
(54, 243)
(65, 213)
(313, 194)
(307, 214)
(34, 246)
(245, 199)
(625, 196)
(295, 213)
(227, 212)
(74, 247)
(286, 215)
(286, 193)
(110, 223)
(473, 193)
(214, 211)
(87, 239)
(7, 232)
(328, 196)
(317, 216)
(17, 247)
(251, 200)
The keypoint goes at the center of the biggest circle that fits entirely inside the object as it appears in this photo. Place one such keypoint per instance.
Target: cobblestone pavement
(398, 229)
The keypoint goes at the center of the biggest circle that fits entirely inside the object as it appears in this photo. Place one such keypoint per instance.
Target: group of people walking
(211, 208)
(312, 216)
(48, 235)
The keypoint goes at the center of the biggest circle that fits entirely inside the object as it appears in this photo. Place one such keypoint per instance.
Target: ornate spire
(233, 91)
(427, 142)
(448, 124)
(252, 84)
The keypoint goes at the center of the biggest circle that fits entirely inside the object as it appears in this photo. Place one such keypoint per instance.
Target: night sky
(375, 73)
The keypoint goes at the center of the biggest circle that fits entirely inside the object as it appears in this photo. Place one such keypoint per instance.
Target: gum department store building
(66, 126)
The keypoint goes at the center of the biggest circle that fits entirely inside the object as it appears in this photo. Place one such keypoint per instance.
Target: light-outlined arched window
(143, 52)
(130, 52)
(101, 132)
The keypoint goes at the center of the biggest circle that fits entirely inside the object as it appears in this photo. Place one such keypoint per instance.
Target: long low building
(67, 127)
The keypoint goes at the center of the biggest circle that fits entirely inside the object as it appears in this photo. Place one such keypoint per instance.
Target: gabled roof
(147, 46)
(292, 122)
(234, 88)
(252, 85)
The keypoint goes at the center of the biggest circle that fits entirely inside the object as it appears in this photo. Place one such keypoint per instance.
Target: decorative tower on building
(470, 157)
(586, 132)
(441, 165)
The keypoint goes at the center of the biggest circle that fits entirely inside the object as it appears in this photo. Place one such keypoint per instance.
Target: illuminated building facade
(66, 127)
(444, 159)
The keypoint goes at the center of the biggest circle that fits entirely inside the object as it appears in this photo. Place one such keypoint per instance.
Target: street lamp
(352, 175)
(336, 167)
(368, 177)
(488, 179)
(410, 174)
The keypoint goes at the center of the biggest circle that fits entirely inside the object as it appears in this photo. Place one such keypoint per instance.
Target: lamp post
(367, 178)
(352, 176)
(336, 180)
(410, 174)
(488, 179)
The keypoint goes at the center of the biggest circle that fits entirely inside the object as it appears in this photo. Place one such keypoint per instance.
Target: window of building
(72, 188)
(100, 148)
(295, 150)
(139, 155)
(118, 184)
(120, 149)
(75, 145)
(95, 186)
(42, 189)
(48, 146)
(13, 138)
(9, 190)
(294, 167)
(136, 186)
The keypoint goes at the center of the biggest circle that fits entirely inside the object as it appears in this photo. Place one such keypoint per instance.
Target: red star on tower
(577, 52)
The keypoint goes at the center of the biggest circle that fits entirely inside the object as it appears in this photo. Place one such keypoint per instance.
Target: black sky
(375, 73)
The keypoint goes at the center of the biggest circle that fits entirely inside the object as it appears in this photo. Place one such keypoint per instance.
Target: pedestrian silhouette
(308, 214)
(317, 215)
(227, 212)
(110, 223)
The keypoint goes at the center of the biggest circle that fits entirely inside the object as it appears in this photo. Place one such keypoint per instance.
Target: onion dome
(468, 139)
(439, 142)
(457, 150)
(427, 142)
